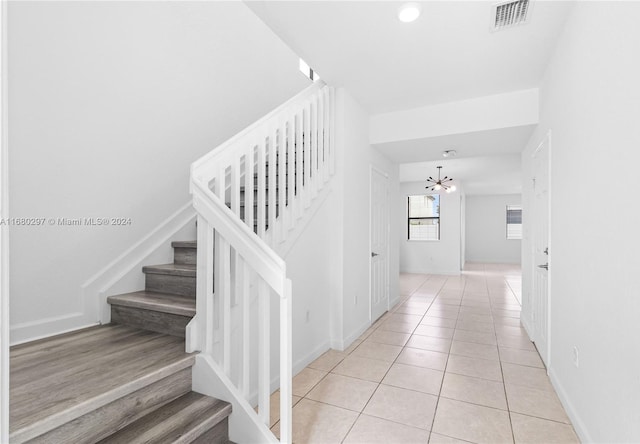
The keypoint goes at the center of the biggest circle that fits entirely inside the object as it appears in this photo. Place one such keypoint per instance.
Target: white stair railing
(249, 194)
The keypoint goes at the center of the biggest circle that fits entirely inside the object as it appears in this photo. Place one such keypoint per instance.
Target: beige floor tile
(529, 430)
(481, 314)
(389, 337)
(374, 350)
(438, 322)
(501, 320)
(315, 422)
(404, 406)
(363, 368)
(534, 402)
(435, 332)
(343, 391)
(435, 438)
(422, 379)
(429, 343)
(475, 317)
(403, 317)
(472, 422)
(413, 310)
(423, 358)
(507, 313)
(519, 342)
(474, 390)
(401, 327)
(526, 376)
(328, 360)
(474, 350)
(521, 357)
(507, 330)
(372, 430)
(352, 347)
(478, 368)
(475, 336)
(274, 406)
(483, 327)
(441, 313)
(306, 380)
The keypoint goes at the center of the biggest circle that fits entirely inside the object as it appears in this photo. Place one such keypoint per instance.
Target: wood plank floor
(79, 369)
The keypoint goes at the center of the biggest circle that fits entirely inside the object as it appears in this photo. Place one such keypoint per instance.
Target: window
(307, 71)
(514, 222)
(424, 217)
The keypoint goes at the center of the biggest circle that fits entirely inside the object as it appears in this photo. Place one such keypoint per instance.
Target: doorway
(541, 263)
(379, 244)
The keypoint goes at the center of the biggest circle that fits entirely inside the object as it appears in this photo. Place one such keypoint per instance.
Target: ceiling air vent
(508, 14)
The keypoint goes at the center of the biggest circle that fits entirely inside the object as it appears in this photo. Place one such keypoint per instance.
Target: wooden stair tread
(58, 379)
(171, 269)
(180, 421)
(162, 302)
(184, 244)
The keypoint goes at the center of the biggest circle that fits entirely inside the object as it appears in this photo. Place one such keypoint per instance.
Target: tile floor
(449, 364)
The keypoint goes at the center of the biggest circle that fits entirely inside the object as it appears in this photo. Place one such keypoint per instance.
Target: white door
(379, 235)
(540, 220)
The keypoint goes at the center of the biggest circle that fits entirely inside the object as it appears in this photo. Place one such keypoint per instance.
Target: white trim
(43, 328)
(346, 342)
(93, 307)
(577, 422)
(4, 234)
(96, 288)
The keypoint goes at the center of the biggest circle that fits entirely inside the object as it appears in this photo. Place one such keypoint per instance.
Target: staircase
(124, 382)
(131, 381)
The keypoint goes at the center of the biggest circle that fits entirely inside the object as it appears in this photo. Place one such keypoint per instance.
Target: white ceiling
(448, 54)
(481, 143)
(477, 175)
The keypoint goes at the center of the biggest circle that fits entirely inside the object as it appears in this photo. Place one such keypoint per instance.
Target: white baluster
(273, 185)
(262, 198)
(245, 381)
(286, 364)
(291, 179)
(299, 162)
(282, 181)
(264, 358)
(307, 156)
(225, 277)
(248, 187)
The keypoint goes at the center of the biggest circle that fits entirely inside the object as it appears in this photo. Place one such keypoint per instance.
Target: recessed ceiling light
(409, 12)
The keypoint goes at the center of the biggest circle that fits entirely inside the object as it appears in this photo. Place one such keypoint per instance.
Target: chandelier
(440, 184)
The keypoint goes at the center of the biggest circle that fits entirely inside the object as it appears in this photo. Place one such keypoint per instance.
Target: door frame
(546, 139)
(375, 169)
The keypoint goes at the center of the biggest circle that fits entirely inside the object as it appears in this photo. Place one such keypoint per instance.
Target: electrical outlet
(576, 356)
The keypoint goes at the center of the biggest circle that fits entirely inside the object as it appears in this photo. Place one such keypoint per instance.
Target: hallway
(450, 363)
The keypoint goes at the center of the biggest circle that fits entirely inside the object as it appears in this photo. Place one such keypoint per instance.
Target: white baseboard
(95, 290)
(43, 328)
(93, 308)
(578, 424)
(344, 343)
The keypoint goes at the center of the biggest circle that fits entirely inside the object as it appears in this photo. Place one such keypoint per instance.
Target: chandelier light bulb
(437, 187)
(453, 188)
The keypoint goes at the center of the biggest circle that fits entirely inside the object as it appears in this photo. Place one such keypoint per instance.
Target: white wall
(441, 256)
(110, 102)
(351, 222)
(519, 108)
(487, 230)
(590, 100)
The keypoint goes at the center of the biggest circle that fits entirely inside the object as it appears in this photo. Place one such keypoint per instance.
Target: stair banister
(250, 194)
